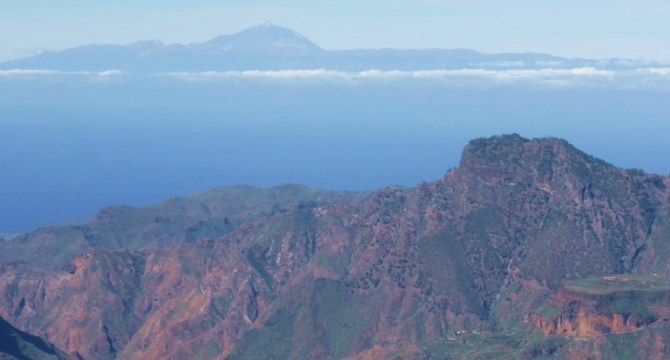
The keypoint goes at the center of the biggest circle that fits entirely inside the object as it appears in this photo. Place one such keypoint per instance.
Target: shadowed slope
(15, 344)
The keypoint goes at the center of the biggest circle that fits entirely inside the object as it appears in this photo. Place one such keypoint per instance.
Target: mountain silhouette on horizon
(271, 47)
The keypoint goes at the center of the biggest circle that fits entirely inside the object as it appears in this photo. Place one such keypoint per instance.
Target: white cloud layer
(641, 78)
(395, 74)
(576, 77)
(37, 72)
(657, 71)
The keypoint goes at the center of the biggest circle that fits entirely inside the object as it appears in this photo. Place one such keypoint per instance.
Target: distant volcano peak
(264, 38)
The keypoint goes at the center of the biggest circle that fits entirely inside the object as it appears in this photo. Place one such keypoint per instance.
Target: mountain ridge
(270, 47)
(530, 248)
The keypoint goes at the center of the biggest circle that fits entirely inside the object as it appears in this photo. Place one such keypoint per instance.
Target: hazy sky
(595, 28)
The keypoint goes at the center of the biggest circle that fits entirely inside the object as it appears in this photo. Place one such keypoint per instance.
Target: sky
(590, 29)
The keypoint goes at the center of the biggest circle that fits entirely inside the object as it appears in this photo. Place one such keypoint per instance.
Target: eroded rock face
(585, 325)
(404, 273)
(596, 316)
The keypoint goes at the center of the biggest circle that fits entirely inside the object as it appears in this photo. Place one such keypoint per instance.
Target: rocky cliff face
(478, 264)
(593, 316)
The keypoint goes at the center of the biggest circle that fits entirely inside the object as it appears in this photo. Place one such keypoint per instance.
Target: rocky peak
(265, 38)
(514, 152)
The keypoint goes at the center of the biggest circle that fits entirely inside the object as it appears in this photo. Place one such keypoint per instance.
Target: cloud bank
(641, 78)
(550, 77)
(42, 73)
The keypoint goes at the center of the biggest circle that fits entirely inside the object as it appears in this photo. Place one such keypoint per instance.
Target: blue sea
(71, 145)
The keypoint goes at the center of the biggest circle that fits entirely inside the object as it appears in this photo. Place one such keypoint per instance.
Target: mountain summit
(265, 38)
(262, 47)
